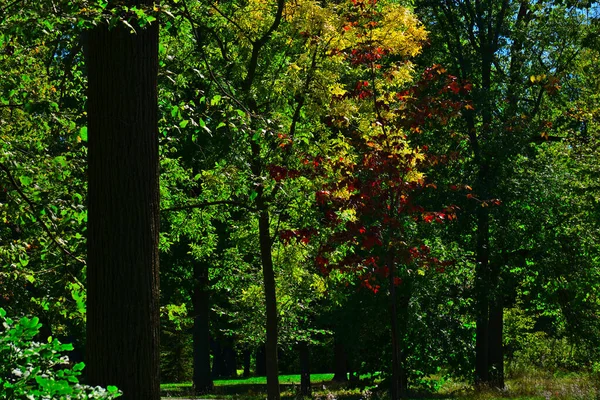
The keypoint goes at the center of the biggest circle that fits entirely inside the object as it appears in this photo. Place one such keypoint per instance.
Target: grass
(244, 387)
(527, 385)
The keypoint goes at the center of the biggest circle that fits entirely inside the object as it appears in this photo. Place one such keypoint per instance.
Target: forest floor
(529, 385)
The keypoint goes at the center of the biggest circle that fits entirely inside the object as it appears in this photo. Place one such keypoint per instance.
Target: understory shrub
(34, 370)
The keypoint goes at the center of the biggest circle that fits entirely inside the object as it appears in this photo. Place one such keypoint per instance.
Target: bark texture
(123, 217)
(202, 378)
(271, 305)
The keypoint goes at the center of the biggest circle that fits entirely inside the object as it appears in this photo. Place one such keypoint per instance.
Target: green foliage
(528, 346)
(35, 370)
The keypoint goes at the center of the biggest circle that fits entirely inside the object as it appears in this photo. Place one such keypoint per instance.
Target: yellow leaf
(337, 90)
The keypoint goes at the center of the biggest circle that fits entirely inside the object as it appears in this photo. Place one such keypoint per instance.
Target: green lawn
(254, 380)
(245, 387)
(533, 386)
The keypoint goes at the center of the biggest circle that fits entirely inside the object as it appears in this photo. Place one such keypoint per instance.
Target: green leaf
(25, 180)
(79, 366)
(184, 123)
(215, 100)
(62, 160)
(112, 389)
(83, 134)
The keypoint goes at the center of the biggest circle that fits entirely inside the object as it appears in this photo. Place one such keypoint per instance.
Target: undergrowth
(529, 384)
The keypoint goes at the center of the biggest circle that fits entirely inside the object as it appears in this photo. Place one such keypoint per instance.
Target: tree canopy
(404, 188)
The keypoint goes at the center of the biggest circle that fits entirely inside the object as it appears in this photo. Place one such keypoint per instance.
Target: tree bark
(202, 378)
(482, 298)
(340, 361)
(496, 348)
(247, 355)
(261, 361)
(305, 388)
(270, 301)
(123, 214)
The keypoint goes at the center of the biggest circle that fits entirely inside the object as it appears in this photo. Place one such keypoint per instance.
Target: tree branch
(208, 204)
(33, 208)
(257, 46)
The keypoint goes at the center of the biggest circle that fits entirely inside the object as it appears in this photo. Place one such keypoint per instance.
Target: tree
(122, 275)
(510, 51)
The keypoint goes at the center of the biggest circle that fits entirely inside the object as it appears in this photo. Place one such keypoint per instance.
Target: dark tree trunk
(496, 348)
(230, 359)
(305, 388)
(218, 366)
(202, 378)
(270, 302)
(340, 361)
(482, 293)
(395, 389)
(247, 355)
(123, 215)
(261, 361)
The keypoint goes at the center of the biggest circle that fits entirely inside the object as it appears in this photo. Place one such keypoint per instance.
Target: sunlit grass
(254, 380)
(526, 385)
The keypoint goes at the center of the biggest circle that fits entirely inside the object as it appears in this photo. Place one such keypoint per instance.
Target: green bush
(527, 347)
(34, 370)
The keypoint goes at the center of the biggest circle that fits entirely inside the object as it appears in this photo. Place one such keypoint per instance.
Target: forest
(326, 199)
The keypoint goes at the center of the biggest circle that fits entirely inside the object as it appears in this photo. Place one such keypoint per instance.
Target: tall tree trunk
(482, 298)
(123, 215)
(305, 388)
(202, 378)
(495, 326)
(270, 302)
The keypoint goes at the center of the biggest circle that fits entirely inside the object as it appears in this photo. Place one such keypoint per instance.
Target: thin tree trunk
(271, 303)
(247, 363)
(395, 390)
(496, 348)
(123, 214)
(202, 378)
(305, 388)
(482, 306)
(218, 365)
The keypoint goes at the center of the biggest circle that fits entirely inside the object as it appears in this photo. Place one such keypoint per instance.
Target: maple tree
(374, 173)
